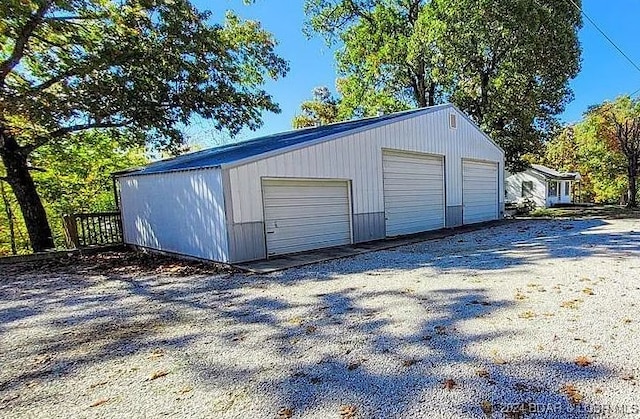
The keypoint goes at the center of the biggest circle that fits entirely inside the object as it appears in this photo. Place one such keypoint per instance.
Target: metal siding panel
(368, 227)
(181, 213)
(247, 242)
(454, 216)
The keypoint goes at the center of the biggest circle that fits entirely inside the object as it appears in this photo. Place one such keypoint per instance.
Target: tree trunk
(9, 213)
(632, 173)
(432, 94)
(24, 188)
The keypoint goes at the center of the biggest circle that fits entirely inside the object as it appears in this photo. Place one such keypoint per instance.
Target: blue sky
(605, 73)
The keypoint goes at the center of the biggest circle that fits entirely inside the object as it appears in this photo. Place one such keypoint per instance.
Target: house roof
(241, 152)
(554, 174)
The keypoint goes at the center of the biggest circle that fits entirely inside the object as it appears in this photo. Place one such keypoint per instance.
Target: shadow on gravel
(340, 345)
(496, 248)
(387, 374)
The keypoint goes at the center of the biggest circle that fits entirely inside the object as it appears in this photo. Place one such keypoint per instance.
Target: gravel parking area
(535, 318)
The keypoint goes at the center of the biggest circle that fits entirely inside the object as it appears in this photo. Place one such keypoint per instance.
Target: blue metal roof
(231, 153)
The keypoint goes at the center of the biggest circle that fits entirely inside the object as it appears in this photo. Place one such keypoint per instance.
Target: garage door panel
(321, 237)
(424, 210)
(317, 222)
(413, 192)
(303, 215)
(480, 191)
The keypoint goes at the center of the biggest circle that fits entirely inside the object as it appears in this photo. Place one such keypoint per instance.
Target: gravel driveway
(526, 319)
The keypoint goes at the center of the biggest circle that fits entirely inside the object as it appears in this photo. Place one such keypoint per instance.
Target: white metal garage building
(332, 185)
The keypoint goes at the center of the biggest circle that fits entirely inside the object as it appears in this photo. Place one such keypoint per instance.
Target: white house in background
(544, 186)
(332, 185)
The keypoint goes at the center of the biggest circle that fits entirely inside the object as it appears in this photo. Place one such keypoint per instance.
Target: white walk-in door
(480, 191)
(413, 192)
(305, 214)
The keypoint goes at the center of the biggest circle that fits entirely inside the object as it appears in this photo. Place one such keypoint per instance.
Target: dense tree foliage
(136, 65)
(77, 178)
(505, 63)
(578, 149)
(605, 148)
(321, 110)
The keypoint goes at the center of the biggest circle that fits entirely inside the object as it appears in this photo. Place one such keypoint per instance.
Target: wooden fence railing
(93, 229)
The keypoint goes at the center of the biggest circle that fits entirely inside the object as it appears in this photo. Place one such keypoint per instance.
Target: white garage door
(480, 191)
(413, 192)
(303, 215)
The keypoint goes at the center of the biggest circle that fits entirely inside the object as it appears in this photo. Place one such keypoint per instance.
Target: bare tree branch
(23, 39)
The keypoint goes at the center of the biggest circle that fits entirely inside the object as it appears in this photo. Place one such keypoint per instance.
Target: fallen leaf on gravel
(99, 402)
(441, 330)
(42, 359)
(520, 296)
(527, 315)
(449, 384)
(627, 321)
(285, 413)
(572, 393)
(479, 303)
(483, 373)
(315, 380)
(583, 361)
(573, 304)
(497, 359)
(353, 365)
(297, 320)
(588, 291)
(628, 377)
(158, 374)
(409, 362)
(348, 411)
(185, 390)
(101, 383)
(156, 353)
(486, 407)
(9, 399)
(311, 329)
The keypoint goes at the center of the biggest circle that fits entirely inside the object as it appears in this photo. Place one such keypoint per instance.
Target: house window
(567, 187)
(553, 189)
(527, 189)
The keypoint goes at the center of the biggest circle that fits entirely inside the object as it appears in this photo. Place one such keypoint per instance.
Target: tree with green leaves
(617, 124)
(510, 64)
(140, 66)
(321, 110)
(77, 179)
(578, 148)
(387, 62)
(507, 64)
